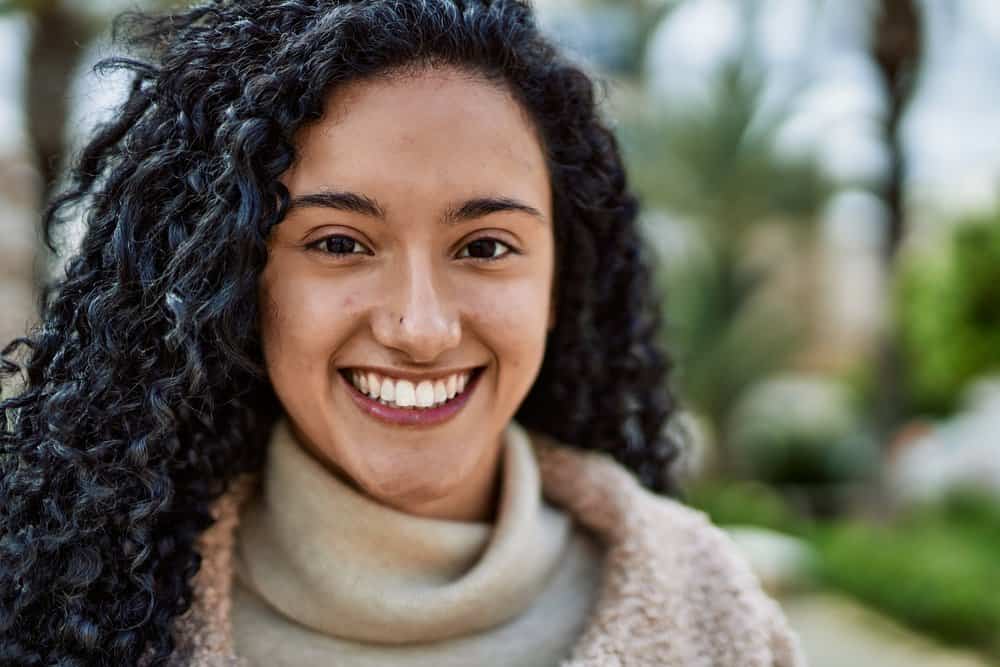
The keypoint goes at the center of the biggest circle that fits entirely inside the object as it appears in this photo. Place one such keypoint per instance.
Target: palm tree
(896, 50)
(718, 167)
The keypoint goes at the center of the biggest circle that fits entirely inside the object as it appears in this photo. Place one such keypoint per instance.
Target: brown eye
(486, 249)
(339, 244)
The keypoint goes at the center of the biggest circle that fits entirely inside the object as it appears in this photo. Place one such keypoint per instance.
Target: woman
(356, 365)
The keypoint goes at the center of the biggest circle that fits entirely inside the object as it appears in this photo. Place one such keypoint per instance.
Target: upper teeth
(406, 394)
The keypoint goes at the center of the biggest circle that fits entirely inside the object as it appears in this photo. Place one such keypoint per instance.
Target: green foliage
(648, 16)
(7, 6)
(719, 168)
(934, 568)
(719, 165)
(38, 6)
(723, 337)
(801, 430)
(804, 459)
(949, 309)
(745, 504)
(937, 570)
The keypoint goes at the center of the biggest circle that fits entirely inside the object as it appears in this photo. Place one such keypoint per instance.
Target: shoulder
(712, 586)
(685, 574)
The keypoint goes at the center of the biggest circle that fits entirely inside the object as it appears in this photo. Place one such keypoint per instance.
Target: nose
(418, 317)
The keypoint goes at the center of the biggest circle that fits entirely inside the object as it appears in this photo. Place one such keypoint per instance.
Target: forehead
(429, 132)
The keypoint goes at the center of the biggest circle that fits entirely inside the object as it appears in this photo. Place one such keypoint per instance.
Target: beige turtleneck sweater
(675, 590)
(325, 575)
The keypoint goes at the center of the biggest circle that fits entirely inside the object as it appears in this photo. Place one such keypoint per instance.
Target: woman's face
(418, 254)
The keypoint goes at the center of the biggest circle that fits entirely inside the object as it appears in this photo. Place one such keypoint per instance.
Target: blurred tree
(896, 50)
(647, 14)
(949, 309)
(59, 35)
(51, 56)
(718, 167)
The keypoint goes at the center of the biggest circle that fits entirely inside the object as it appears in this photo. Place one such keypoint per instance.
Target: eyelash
(318, 246)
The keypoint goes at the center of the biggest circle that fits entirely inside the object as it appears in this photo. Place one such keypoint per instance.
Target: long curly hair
(143, 388)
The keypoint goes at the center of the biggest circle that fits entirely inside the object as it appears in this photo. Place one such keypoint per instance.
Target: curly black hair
(144, 392)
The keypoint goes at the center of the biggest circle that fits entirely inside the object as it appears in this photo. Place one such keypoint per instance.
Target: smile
(410, 403)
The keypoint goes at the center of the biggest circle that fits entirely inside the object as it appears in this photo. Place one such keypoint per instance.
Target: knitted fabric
(675, 591)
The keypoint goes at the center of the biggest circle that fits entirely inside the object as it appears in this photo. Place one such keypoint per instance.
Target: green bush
(937, 570)
(948, 304)
(745, 503)
(800, 430)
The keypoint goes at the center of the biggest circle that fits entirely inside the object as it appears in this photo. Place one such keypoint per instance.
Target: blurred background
(820, 182)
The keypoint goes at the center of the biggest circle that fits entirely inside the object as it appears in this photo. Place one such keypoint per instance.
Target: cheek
(304, 320)
(513, 319)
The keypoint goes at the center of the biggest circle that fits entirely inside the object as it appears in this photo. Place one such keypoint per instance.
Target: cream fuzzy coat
(675, 591)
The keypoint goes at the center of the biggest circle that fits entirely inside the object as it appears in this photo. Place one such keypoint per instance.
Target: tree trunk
(55, 49)
(57, 41)
(897, 51)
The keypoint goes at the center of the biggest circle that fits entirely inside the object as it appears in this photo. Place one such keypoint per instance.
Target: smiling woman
(437, 260)
(356, 365)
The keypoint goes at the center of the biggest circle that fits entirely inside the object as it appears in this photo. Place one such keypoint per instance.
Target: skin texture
(400, 291)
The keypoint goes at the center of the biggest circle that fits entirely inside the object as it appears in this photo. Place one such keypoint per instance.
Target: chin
(410, 498)
(408, 489)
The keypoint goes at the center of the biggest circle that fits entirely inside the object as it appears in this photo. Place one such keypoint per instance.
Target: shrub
(800, 430)
(948, 303)
(936, 570)
(745, 503)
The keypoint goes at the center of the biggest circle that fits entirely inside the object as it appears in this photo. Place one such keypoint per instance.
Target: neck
(475, 500)
(398, 578)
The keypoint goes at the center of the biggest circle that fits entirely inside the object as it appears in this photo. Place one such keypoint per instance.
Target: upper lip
(409, 375)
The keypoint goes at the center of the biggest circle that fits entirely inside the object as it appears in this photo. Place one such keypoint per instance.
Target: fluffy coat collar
(675, 591)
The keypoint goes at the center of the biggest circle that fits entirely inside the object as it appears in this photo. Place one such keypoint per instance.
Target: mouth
(406, 403)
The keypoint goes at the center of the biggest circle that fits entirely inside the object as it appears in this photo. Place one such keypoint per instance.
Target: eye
(486, 249)
(339, 244)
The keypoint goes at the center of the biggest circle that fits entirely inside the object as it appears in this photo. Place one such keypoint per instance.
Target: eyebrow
(471, 209)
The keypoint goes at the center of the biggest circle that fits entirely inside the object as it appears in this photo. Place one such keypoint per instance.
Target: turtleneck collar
(339, 563)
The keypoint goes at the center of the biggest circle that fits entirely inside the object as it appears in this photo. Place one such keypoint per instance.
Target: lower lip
(412, 416)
